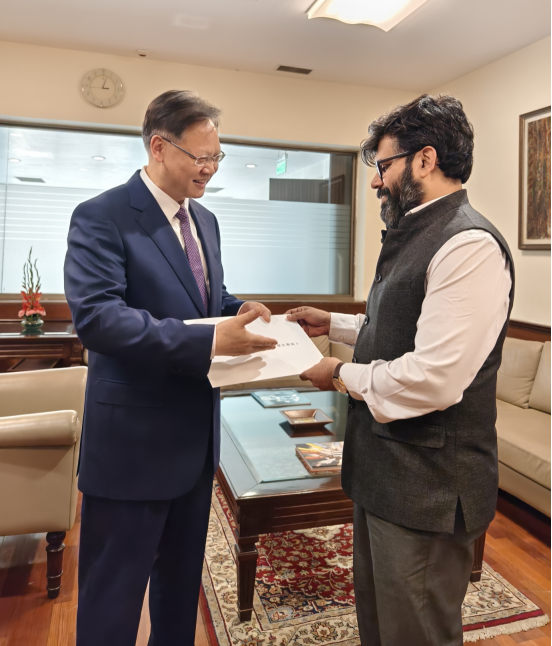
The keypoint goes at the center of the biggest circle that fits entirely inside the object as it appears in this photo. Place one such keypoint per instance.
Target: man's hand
(321, 374)
(250, 305)
(233, 340)
(314, 322)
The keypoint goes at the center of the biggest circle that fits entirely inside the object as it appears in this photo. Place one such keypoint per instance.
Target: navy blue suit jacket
(150, 409)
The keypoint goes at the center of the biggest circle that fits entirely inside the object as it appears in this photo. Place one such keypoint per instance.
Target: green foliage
(31, 277)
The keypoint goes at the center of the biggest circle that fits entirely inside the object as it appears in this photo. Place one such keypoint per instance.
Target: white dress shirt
(170, 208)
(466, 304)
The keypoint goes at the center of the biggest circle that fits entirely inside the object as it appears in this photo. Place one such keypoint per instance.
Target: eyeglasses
(199, 161)
(380, 162)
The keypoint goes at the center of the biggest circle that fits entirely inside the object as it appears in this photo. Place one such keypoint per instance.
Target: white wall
(494, 97)
(45, 84)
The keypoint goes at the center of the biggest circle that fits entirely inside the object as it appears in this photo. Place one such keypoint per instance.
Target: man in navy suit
(141, 259)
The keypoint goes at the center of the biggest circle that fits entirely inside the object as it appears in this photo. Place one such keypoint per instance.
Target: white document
(294, 353)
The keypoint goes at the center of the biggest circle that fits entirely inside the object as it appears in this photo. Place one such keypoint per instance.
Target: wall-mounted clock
(102, 88)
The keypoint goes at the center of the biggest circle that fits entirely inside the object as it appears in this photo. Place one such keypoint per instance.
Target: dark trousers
(410, 584)
(123, 544)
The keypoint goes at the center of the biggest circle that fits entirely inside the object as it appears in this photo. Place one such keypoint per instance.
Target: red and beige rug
(304, 591)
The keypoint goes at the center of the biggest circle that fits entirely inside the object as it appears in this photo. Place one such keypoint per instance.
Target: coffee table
(266, 485)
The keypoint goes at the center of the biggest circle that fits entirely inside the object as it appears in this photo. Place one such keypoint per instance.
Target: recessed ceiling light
(16, 134)
(384, 15)
(14, 160)
(251, 165)
(99, 158)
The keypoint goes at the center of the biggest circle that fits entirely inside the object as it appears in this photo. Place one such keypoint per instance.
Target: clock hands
(101, 87)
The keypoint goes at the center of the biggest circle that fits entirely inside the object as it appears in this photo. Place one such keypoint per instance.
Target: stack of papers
(294, 354)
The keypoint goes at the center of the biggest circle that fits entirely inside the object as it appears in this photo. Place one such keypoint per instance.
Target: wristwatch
(338, 383)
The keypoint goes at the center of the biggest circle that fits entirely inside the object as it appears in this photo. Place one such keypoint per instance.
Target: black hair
(172, 112)
(438, 121)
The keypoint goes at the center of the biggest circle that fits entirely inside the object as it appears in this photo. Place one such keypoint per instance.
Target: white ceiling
(440, 41)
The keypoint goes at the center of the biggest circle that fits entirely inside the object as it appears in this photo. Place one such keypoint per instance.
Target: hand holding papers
(235, 339)
(294, 353)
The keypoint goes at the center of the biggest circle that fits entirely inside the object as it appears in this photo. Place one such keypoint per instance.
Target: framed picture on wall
(534, 180)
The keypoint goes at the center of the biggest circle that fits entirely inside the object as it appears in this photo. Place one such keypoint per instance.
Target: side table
(57, 344)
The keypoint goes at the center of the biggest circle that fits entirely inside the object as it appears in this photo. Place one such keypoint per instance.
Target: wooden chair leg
(54, 562)
(477, 568)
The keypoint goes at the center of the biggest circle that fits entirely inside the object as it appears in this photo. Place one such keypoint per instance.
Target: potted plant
(32, 309)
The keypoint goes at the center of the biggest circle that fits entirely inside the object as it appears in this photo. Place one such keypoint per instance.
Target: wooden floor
(29, 618)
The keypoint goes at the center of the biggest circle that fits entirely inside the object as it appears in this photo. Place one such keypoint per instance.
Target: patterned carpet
(304, 591)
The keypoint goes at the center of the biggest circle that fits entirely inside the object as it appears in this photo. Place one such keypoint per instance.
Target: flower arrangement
(32, 309)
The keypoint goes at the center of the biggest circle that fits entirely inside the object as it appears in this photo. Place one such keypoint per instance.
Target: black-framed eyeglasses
(199, 161)
(380, 162)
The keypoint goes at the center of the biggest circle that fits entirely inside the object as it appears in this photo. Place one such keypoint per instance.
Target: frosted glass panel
(284, 216)
(285, 220)
(38, 217)
(284, 247)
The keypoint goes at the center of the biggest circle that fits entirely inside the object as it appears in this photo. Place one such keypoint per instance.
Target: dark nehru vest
(412, 472)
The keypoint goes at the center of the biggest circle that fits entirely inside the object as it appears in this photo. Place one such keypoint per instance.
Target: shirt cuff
(214, 346)
(351, 375)
(241, 308)
(343, 328)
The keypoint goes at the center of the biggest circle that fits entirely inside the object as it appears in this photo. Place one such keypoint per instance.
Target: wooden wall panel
(59, 311)
(529, 331)
(55, 310)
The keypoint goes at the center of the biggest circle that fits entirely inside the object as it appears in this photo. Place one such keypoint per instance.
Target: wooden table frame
(61, 344)
(262, 508)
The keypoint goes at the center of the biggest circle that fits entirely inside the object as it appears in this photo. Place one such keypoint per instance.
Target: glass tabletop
(50, 328)
(267, 442)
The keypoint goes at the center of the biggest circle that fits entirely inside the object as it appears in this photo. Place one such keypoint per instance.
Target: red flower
(31, 305)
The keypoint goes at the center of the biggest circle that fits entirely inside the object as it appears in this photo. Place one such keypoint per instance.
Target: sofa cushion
(540, 395)
(342, 352)
(524, 441)
(520, 360)
(323, 344)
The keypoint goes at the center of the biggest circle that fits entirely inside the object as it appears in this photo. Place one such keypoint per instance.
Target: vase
(32, 324)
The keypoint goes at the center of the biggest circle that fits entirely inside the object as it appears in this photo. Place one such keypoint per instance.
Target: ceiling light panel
(384, 14)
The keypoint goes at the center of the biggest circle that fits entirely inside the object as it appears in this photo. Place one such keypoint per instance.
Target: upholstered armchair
(40, 427)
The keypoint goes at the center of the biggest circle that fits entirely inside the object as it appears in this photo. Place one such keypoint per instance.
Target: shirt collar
(422, 206)
(169, 206)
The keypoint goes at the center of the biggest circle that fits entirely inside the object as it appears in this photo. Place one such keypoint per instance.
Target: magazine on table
(321, 458)
(275, 398)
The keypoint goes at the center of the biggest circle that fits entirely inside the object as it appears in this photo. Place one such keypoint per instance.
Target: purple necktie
(192, 251)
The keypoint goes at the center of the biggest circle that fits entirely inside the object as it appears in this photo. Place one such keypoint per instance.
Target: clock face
(102, 87)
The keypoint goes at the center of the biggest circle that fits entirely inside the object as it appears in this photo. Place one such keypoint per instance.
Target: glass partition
(285, 215)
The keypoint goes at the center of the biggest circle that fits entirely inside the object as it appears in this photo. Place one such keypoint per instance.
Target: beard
(401, 198)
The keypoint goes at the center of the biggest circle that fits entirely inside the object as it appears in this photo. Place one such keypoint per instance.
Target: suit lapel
(215, 282)
(154, 222)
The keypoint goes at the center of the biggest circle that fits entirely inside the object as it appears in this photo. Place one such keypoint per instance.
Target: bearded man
(420, 452)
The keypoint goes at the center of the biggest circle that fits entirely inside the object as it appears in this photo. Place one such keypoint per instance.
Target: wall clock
(102, 88)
